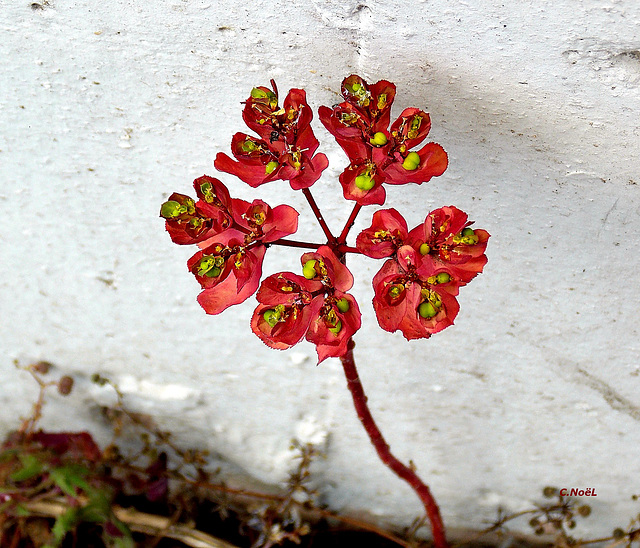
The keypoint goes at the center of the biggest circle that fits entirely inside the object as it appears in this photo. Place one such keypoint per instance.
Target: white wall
(108, 107)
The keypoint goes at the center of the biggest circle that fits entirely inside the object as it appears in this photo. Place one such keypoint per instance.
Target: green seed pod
(258, 93)
(270, 167)
(308, 270)
(336, 328)
(411, 162)
(443, 278)
(424, 249)
(468, 232)
(171, 210)
(379, 139)
(427, 310)
(215, 271)
(343, 305)
(271, 317)
(364, 182)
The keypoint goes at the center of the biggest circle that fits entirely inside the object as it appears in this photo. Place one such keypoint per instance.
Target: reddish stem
(310, 245)
(295, 243)
(384, 451)
(347, 227)
(316, 211)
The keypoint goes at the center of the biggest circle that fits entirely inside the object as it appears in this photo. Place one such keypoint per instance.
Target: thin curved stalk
(384, 451)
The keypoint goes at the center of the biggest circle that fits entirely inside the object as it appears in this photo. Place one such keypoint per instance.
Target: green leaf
(31, 467)
(69, 478)
(98, 510)
(21, 511)
(64, 523)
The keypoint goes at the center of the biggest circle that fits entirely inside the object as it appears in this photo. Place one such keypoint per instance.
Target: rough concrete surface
(108, 107)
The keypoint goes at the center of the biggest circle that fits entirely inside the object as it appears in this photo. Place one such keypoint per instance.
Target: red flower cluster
(286, 145)
(416, 289)
(232, 235)
(379, 154)
(315, 304)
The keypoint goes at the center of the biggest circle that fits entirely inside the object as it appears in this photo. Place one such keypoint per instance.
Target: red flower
(388, 231)
(287, 144)
(378, 153)
(287, 306)
(229, 265)
(228, 271)
(264, 223)
(447, 239)
(188, 221)
(337, 320)
(324, 266)
(362, 182)
(415, 305)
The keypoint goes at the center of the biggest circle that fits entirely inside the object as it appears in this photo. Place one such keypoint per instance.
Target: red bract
(264, 223)
(388, 231)
(447, 239)
(228, 272)
(418, 307)
(337, 320)
(188, 221)
(286, 146)
(324, 266)
(287, 305)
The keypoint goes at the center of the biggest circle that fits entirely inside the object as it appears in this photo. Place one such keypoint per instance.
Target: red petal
(433, 162)
(284, 222)
(387, 232)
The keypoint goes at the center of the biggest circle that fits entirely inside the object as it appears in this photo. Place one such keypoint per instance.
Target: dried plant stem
(140, 522)
(384, 451)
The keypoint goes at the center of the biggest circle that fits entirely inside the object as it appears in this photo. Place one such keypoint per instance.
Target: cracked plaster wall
(106, 108)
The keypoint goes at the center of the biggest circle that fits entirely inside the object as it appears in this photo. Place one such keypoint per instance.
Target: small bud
(443, 278)
(343, 305)
(270, 167)
(584, 510)
(549, 492)
(364, 182)
(41, 367)
(65, 385)
(618, 533)
(411, 162)
(427, 310)
(336, 328)
(271, 317)
(308, 270)
(424, 249)
(571, 524)
(468, 232)
(534, 522)
(379, 139)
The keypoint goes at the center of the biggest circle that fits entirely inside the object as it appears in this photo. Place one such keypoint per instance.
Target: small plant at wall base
(416, 287)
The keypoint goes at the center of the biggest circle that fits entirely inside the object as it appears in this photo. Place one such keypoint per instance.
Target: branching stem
(316, 211)
(384, 451)
(347, 227)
